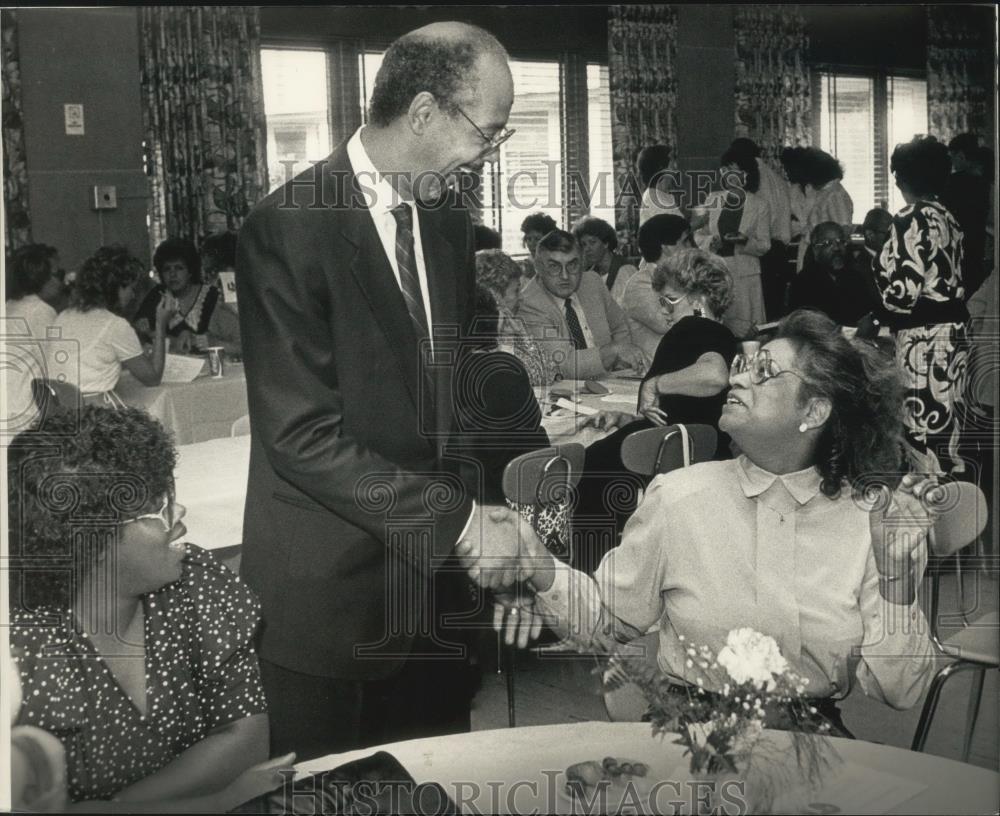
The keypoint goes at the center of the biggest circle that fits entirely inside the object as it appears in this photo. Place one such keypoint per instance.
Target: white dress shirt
(381, 197)
(723, 545)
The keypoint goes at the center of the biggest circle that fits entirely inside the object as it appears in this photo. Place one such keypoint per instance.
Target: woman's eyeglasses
(761, 367)
(667, 302)
(492, 142)
(165, 515)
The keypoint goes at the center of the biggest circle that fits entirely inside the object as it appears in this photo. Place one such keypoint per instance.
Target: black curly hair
(863, 436)
(69, 484)
(599, 229)
(102, 275)
(418, 62)
(539, 222)
(29, 269)
(922, 165)
(817, 167)
(178, 249)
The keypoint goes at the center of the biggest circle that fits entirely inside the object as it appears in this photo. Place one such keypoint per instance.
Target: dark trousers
(776, 274)
(314, 716)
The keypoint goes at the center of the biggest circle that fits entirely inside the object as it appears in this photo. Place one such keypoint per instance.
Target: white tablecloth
(202, 409)
(211, 475)
(211, 480)
(517, 770)
(565, 426)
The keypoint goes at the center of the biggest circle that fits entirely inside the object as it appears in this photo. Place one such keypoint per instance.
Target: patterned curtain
(203, 113)
(773, 105)
(960, 62)
(17, 219)
(642, 52)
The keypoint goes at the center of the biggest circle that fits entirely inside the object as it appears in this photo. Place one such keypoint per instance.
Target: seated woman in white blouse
(775, 539)
(105, 340)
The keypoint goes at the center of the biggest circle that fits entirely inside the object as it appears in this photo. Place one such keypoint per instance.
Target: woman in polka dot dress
(134, 649)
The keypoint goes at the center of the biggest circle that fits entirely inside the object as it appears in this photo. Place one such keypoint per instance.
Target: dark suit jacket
(344, 462)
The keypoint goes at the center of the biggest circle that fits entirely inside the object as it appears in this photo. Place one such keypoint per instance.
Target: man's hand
(609, 420)
(649, 403)
(900, 528)
(516, 617)
(629, 356)
(494, 547)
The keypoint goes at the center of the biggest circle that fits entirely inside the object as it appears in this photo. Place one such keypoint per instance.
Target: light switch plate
(105, 197)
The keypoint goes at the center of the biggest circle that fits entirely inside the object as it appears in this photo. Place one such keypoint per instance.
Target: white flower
(749, 656)
(698, 733)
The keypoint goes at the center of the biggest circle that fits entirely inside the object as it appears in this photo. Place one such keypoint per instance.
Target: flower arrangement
(721, 730)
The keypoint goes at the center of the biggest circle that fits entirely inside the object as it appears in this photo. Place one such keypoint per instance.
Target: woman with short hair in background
(104, 340)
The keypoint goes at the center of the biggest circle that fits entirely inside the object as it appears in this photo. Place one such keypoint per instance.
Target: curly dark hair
(791, 161)
(651, 162)
(419, 62)
(599, 229)
(218, 252)
(864, 433)
(659, 230)
(70, 483)
(817, 167)
(178, 249)
(30, 268)
(539, 222)
(495, 270)
(102, 275)
(922, 166)
(746, 163)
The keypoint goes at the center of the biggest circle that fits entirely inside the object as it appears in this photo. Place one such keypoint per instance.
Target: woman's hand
(165, 309)
(649, 403)
(609, 420)
(900, 528)
(516, 617)
(256, 781)
(182, 343)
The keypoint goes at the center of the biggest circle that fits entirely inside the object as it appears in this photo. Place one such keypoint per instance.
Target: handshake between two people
(502, 553)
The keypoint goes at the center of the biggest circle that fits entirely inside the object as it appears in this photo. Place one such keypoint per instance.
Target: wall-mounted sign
(74, 119)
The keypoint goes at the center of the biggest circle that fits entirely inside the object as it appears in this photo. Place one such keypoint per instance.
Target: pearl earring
(803, 428)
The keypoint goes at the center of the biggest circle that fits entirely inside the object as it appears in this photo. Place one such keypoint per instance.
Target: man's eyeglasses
(492, 142)
(667, 302)
(832, 243)
(165, 514)
(761, 367)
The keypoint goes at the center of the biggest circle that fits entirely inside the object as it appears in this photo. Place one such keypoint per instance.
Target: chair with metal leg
(975, 645)
(659, 450)
(539, 484)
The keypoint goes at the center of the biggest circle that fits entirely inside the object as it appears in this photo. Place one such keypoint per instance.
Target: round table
(517, 770)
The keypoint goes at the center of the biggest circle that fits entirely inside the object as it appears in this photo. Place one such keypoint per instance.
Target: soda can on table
(215, 363)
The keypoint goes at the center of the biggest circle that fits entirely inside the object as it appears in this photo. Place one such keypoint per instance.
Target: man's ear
(818, 411)
(423, 108)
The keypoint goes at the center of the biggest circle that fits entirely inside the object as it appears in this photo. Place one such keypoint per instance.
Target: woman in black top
(686, 383)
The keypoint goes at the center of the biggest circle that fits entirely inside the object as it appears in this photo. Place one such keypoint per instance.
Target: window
(297, 110)
(601, 165)
(562, 114)
(859, 119)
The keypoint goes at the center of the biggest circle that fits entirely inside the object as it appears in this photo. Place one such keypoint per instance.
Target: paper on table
(852, 788)
(625, 399)
(562, 402)
(180, 369)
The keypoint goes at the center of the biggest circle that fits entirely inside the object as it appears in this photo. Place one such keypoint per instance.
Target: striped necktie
(407, 263)
(575, 329)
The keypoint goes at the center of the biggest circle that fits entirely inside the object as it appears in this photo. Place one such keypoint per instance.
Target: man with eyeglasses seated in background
(580, 328)
(831, 282)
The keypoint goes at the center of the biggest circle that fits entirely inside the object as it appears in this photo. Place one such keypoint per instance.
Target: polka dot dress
(201, 673)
